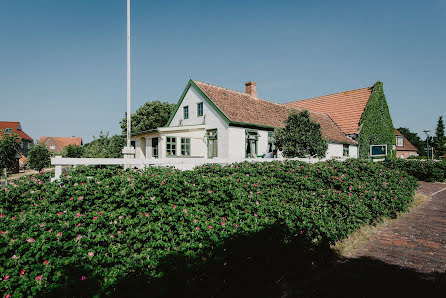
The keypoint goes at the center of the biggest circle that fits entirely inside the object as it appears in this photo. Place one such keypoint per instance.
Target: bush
(38, 157)
(429, 171)
(73, 151)
(99, 228)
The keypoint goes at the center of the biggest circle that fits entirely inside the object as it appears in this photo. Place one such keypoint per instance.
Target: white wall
(337, 151)
(211, 119)
(237, 139)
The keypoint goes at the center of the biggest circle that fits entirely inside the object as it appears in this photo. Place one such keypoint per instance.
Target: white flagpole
(128, 151)
(128, 75)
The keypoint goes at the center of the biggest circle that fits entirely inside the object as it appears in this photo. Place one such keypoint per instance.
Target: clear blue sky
(62, 63)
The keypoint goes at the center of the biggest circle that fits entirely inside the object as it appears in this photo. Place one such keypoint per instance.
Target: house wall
(211, 119)
(337, 151)
(405, 154)
(237, 139)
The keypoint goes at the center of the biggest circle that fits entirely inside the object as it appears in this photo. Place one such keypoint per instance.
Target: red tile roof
(62, 142)
(242, 107)
(345, 108)
(407, 146)
(14, 126)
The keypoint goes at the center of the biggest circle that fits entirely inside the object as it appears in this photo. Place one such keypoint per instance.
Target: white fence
(179, 163)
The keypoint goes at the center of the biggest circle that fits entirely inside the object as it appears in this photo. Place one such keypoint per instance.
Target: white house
(214, 122)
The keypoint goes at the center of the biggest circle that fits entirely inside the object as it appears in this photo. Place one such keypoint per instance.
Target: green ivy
(375, 126)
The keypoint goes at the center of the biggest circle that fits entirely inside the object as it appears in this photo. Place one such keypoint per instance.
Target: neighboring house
(214, 122)
(361, 114)
(57, 144)
(404, 148)
(7, 127)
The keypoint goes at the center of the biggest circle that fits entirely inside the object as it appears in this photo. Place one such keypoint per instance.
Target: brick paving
(416, 240)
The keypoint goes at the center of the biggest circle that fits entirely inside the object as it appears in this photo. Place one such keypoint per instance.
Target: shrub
(38, 157)
(99, 227)
(429, 171)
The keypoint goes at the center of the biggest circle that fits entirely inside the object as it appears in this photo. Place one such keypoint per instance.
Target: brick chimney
(251, 88)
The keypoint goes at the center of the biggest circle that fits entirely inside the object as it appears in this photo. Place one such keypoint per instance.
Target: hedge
(429, 171)
(100, 228)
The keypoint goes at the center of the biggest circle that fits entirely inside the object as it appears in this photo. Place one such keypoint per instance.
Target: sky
(63, 63)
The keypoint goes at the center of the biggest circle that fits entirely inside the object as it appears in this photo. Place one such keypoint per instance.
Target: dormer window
(186, 112)
(399, 141)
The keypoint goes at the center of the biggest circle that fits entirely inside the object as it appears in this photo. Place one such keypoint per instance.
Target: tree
(301, 137)
(9, 150)
(414, 139)
(73, 151)
(105, 146)
(439, 142)
(150, 115)
(38, 157)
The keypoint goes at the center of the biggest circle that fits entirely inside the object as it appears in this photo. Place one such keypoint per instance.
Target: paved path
(416, 240)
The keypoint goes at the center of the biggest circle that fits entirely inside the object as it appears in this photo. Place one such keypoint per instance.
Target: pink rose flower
(45, 262)
(6, 277)
(79, 237)
(196, 228)
(90, 254)
(39, 277)
(83, 278)
(30, 240)
(22, 272)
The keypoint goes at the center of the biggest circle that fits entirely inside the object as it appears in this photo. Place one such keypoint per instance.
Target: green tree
(73, 151)
(301, 137)
(105, 146)
(38, 157)
(439, 141)
(414, 139)
(9, 150)
(150, 115)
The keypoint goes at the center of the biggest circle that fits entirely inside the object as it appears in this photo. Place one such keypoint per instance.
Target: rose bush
(84, 234)
(429, 171)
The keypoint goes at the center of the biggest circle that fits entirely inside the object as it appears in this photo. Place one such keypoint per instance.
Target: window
(52, 147)
(212, 143)
(8, 130)
(271, 146)
(199, 109)
(378, 150)
(251, 143)
(133, 144)
(171, 146)
(186, 112)
(185, 146)
(399, 141)
(155, 147)
(346, 150)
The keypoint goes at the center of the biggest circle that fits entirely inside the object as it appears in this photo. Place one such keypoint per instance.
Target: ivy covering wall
(375, 126)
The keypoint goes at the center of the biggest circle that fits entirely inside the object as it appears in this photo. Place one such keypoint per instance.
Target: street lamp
(427, 142)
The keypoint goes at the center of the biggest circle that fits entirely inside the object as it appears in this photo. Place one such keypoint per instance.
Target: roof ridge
(265, 100)
(368, 87)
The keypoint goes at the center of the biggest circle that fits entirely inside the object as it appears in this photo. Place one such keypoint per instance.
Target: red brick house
(404, 148)
(8, 127)
(57, 144)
